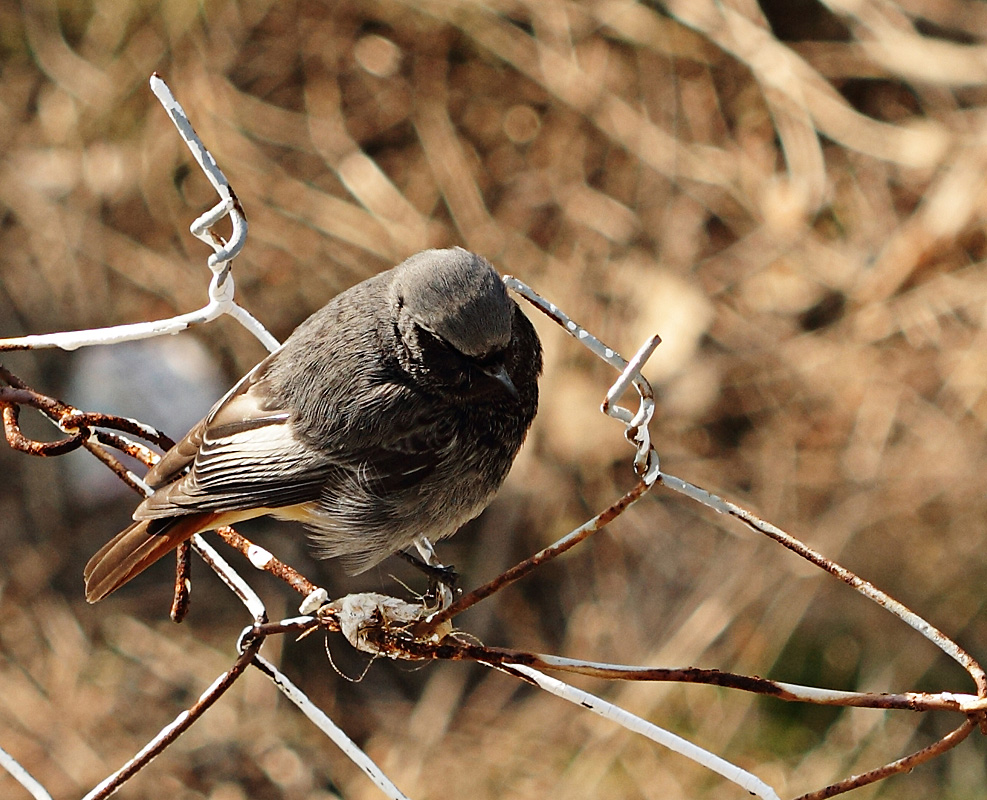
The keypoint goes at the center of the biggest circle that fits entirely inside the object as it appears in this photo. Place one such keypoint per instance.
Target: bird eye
(436, 340)
(491, 360)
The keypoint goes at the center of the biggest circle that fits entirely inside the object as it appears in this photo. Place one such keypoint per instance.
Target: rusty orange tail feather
(133, 550)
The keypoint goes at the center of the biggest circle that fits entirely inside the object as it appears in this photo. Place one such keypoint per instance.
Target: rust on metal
(525, 567)
(17, 440)
(274, 566)
(183, 582)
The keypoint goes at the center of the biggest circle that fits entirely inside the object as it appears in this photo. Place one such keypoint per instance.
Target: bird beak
(500, 375)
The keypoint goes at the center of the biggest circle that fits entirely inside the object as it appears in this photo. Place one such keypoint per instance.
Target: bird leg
(442, 579)
(436, 573)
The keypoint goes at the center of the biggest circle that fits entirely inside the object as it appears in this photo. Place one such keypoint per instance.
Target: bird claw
(437, 574)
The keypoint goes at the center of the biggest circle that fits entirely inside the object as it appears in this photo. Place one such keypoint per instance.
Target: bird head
(454, 318)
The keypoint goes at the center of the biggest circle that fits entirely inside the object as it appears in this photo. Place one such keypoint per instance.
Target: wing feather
(250, 453)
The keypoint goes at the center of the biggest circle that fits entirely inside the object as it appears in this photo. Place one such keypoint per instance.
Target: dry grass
(796, 203)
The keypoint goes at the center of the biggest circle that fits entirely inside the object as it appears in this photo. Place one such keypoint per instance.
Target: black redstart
(392, 413)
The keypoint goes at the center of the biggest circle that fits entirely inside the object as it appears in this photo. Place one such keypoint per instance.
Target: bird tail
(134, 549)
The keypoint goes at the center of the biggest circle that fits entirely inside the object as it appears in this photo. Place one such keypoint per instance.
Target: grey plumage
(393, 412)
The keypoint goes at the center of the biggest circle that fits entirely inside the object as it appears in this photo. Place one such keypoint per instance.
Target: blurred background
(791, 194)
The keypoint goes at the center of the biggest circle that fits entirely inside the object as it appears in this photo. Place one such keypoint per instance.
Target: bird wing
(248, 453)
(181, 456)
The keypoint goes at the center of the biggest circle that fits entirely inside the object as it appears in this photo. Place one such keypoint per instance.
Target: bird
(393, 413)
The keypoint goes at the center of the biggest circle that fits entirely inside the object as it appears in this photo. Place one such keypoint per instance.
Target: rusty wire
(836, 381)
